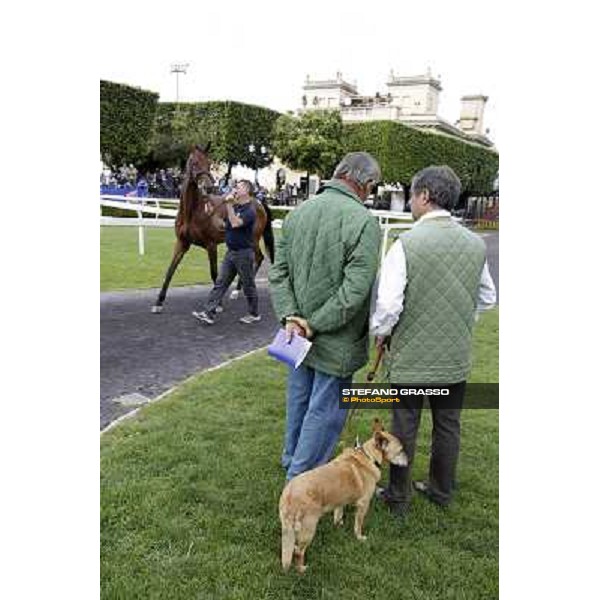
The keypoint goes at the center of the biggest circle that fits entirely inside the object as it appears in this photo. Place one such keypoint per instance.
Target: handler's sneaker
(204, 317)
(250, 319)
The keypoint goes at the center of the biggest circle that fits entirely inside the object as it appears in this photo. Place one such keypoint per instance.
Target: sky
(260, 52)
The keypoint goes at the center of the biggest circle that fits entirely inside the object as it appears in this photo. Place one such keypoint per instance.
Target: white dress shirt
(392, 282)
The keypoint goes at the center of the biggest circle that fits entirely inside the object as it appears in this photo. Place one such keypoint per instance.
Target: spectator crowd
(166, 183)
(127, 180)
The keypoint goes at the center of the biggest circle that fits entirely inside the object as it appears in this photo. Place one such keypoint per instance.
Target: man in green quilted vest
(325, 266)
(432, 282)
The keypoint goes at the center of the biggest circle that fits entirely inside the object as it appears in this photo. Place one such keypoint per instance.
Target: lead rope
(370, 376)
(347, 428)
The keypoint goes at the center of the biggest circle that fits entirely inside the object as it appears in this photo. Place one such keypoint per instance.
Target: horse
(201, 221)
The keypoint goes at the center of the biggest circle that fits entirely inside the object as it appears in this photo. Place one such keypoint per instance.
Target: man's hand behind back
(297, 326)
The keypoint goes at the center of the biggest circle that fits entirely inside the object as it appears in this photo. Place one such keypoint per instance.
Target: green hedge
(230, 127)
(126, 122)
(403, 151)
(277, 213)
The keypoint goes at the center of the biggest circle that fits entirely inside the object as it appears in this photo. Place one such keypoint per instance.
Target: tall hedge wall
(230, 126)
(402, 151)
(126, 122)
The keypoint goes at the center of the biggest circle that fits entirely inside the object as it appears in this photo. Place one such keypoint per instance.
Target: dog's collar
(361, 449)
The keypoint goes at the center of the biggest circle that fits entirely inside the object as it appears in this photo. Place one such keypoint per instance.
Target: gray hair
(360, 167)
(442, 184)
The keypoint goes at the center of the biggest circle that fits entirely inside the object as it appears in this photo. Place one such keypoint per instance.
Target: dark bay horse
(201, 220)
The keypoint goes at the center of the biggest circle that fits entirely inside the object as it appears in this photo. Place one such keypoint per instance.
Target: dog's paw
(339, 522)
(302, 569)
(361, 538)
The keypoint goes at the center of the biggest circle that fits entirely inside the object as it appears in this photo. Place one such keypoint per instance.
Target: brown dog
(348, 479)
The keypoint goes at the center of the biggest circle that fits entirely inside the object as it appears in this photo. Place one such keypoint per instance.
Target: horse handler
(239, 259)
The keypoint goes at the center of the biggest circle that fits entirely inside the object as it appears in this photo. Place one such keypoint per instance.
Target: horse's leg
(180, 249)
(212, 259)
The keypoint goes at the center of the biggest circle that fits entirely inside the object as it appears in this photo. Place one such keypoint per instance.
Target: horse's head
(198, 167)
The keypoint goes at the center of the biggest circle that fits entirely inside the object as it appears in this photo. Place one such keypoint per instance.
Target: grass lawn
(190, 487)
(121, 267)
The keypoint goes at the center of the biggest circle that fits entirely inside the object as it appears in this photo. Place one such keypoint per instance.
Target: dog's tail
(288, 542)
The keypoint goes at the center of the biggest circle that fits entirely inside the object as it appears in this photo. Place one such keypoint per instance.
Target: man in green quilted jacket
(325, 267)
(432, 282)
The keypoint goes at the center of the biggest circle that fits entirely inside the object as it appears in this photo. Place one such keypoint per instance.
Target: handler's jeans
(445, 444)
(235, 262)
(314, 419)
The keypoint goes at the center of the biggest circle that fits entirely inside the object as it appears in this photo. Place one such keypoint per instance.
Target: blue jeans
(314, 420)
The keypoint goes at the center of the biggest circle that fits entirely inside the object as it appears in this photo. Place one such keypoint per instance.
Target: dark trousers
(445, 444)
(236, 262)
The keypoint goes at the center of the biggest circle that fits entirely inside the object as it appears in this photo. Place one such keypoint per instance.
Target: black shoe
(399, 509)
(423, 488)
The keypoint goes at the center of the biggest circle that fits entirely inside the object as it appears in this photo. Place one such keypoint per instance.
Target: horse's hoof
(234, 294)
(157, 309)
(219, 309)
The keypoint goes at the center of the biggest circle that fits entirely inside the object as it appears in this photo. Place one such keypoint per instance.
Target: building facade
(412, 101)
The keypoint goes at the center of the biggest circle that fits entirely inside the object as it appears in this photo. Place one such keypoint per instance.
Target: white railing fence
(159, 207)
(167, 209)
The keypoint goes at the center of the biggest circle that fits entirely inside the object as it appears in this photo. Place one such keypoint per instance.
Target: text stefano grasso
(407, 391)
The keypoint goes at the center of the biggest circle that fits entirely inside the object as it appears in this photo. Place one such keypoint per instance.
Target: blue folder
(292, 352)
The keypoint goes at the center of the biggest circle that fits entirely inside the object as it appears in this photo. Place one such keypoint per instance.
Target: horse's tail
(268, 234)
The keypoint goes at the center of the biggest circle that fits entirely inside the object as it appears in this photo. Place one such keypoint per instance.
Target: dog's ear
(381, 442)
(377, 426)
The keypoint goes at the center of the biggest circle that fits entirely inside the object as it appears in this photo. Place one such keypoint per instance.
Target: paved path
(144, 353)
(148, 354)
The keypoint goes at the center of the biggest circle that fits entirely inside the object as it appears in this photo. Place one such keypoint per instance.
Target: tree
(311, 143)
(175, 133)
(126, 122)
(238, 132)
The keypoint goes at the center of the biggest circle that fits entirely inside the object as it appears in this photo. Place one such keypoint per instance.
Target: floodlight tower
(178, 68)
